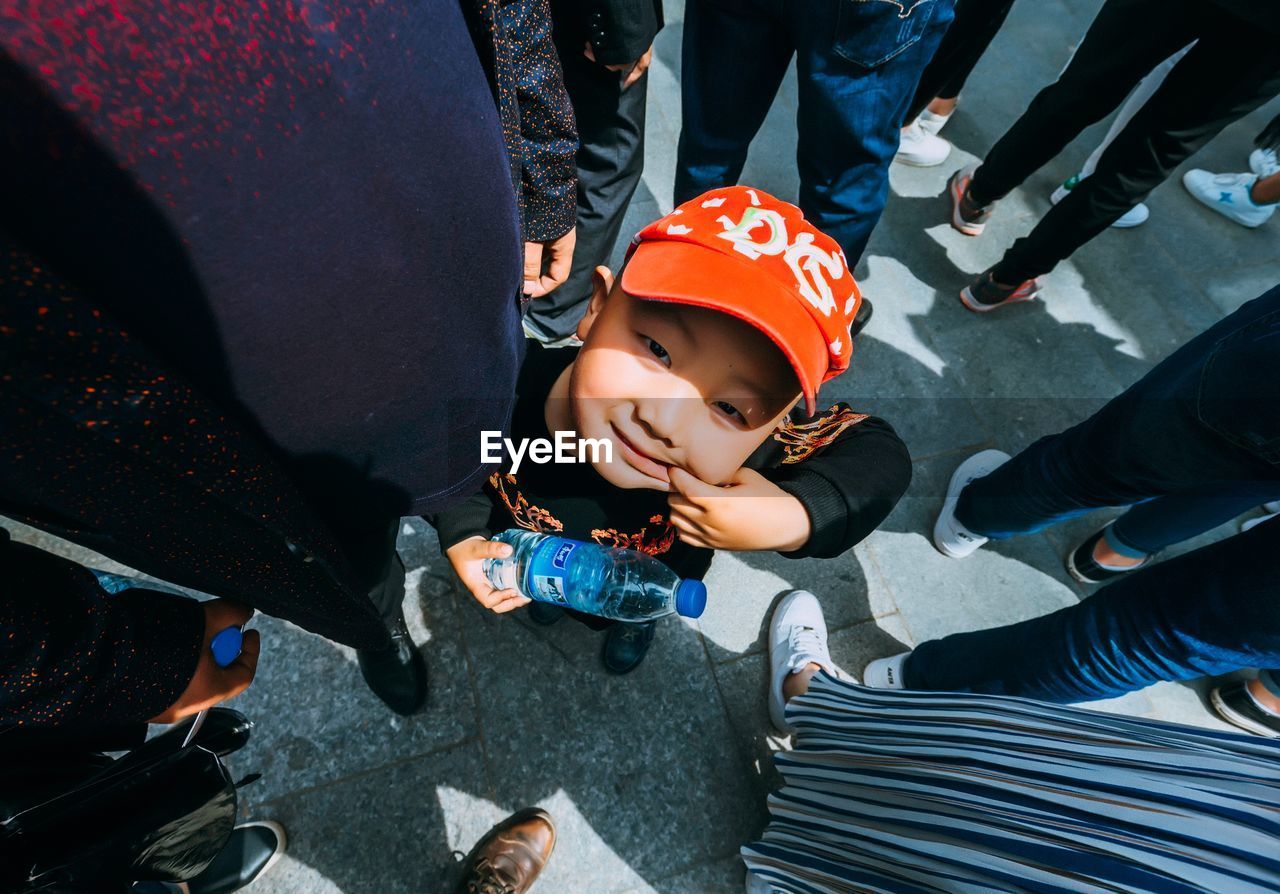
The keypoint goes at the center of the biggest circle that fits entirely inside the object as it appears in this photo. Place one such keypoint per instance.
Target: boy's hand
(467, 558)
(748, 513)
(211, 684)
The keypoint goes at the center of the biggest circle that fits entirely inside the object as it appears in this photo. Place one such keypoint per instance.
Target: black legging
(972, 31)
(1232, 69)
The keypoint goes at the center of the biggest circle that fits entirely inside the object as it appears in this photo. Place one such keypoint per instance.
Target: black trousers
(976, 24)
(610, 162)
(1233, 68)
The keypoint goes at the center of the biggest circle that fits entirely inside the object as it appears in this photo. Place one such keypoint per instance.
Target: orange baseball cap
(741, 251)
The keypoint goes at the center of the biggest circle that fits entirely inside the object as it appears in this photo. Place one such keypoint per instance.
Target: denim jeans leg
(854, 92)
(1182, 426)
(1203, 613)
(1151, 526)
(734, 57)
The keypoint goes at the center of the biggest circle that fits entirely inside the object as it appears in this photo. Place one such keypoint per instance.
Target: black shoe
(1234, 704)
(544, 613)
(625, 646)
(1083, 567)
(397, 675)
(254, 847)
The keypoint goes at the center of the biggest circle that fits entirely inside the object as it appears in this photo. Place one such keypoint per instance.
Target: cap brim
(685, 273)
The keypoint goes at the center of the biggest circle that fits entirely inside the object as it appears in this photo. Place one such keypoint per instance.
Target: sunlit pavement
(657, 778)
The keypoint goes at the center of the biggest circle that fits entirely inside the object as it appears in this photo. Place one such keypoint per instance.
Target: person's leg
(1122, 454)
(610, 161)
(1126, 40)
(1206, 612)
(853, 97)
(1228, 73)
(733, 60)
(975, 26)
(1154, 525)
(1137, 99)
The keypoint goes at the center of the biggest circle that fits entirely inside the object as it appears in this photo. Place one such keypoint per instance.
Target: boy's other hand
(748, 513)
(467, 558)
(210, 685)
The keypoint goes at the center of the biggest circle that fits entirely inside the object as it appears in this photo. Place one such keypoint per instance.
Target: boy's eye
(658, 351)
(730, 410)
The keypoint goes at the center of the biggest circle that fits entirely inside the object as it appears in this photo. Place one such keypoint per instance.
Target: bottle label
(549, 570)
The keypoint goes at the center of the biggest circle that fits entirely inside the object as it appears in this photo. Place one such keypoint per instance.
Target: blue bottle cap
(225, 646)
(691, 598)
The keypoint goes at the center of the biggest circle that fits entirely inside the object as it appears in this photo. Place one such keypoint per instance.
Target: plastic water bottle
(622, 584)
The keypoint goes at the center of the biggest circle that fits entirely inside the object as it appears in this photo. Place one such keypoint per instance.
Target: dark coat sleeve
(72, 653)
(469, 518)
(621, 30)
(548, 133)
(847, 486)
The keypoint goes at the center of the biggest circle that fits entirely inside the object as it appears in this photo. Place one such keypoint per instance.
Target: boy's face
(674, 385)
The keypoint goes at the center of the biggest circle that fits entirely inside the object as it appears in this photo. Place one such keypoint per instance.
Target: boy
(727, 311)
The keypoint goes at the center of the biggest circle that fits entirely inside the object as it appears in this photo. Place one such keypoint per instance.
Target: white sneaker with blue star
(1229, 195)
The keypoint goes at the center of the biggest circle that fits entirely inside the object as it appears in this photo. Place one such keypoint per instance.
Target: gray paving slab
(392, 829)
(646, 759)
(317, 721)
(723, 876)
(743, 587)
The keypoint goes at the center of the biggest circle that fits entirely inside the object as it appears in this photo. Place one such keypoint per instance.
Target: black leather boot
(397, 675)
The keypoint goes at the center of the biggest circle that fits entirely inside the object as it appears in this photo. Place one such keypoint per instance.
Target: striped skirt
(919, 791)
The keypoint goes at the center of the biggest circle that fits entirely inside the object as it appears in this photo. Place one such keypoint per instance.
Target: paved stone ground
(656, 779)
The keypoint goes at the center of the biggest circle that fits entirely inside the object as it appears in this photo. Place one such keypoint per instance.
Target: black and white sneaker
(1236, 706)
(1085, 568)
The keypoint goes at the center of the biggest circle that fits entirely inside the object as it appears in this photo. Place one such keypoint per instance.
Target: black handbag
(162, 812)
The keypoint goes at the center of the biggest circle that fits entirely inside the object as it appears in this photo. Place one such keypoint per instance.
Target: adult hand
(211, 684)
(630, 72)
(467, 558)
(748, 513)
(558, 257)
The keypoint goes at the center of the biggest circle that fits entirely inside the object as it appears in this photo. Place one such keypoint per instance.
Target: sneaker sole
(913, 163)
(1239, 720)
(968, 299)
(958, 223)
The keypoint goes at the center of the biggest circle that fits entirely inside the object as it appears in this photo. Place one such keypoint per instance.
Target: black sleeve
(470, 518)
(71, 652)
(621, 30)
(848, 485)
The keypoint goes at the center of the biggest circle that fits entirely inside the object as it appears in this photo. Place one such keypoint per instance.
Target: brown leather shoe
(509, 857)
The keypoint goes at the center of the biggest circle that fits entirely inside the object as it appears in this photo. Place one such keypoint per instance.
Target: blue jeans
(858, 62)
(1193, 442)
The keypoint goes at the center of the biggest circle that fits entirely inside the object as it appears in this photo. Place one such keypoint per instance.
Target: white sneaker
(1263, 162)
(797, 637)
(921, 149)
(1134, 217)
(758, 885)
(931, 122)
(1228, 194)
(885, 673)
(949, 536)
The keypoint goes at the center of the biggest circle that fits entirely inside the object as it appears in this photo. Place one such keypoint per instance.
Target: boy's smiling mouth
(640, 460)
